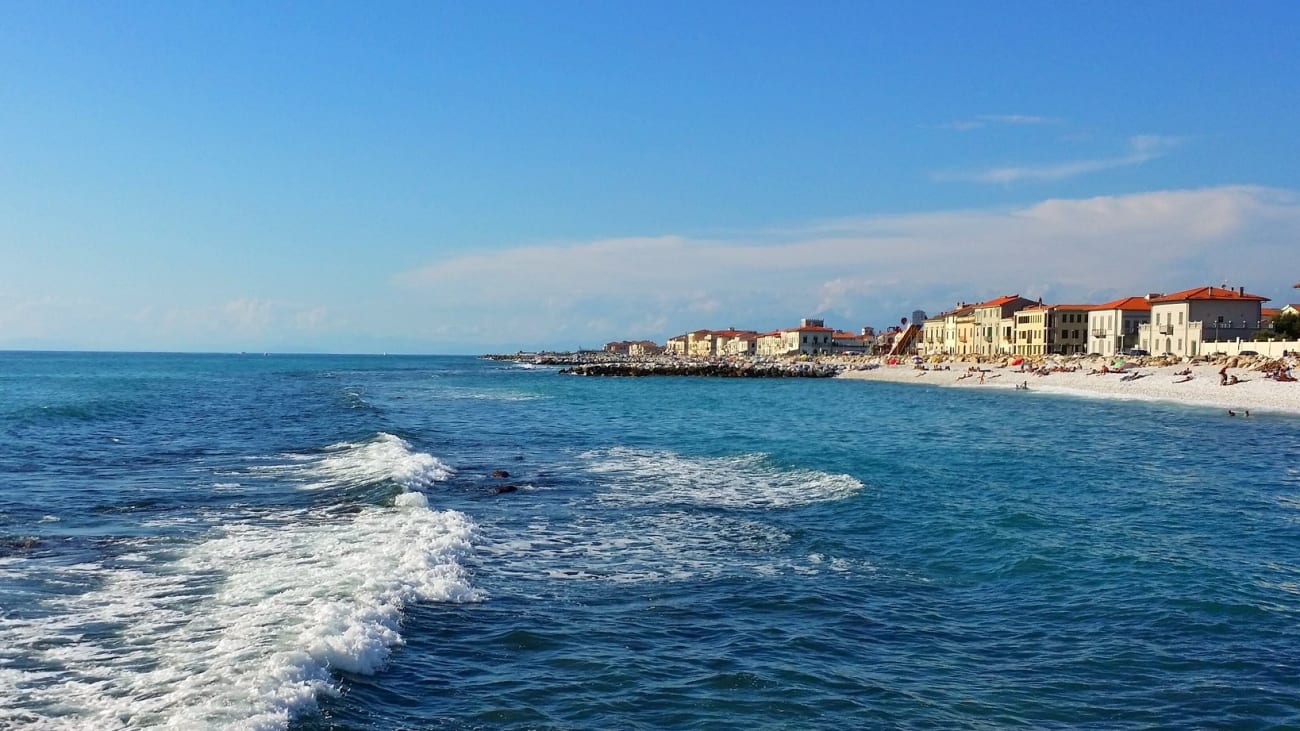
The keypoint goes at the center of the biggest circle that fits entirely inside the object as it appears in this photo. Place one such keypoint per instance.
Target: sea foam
(245, 629)
(635, 476)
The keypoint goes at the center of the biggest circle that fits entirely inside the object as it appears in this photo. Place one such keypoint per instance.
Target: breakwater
(589, 363)
(738, 369)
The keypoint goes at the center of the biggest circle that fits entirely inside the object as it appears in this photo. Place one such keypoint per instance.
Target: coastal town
(1183, 347)
(1189, 323)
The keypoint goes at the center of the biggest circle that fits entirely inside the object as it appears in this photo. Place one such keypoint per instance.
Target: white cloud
(1142, 148)
(862, 269)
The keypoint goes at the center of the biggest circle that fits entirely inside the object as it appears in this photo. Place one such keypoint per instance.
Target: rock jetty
(737, 369)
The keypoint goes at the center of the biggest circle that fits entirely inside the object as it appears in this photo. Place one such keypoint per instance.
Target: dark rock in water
(500, 473)
(507, 488)
(10, 546)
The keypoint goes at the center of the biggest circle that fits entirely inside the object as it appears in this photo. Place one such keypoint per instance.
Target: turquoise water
(314, 542)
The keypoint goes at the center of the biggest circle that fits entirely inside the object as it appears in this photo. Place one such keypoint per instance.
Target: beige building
(1187, 323)
(770, 344)
(701, 344)
(1113, 326)
(641, 348)
(732, 342)
(995, 323)
(932, 336)
(678, 345)
(1050, 329)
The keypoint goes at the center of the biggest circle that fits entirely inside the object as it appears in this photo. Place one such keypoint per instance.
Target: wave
(383, 458)
(246, 628)
(636, 476)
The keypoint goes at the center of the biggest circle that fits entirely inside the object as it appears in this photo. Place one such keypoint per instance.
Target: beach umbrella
(1017, 361)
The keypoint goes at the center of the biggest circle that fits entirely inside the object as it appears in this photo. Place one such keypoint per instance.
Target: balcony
(1165, 329)
(1100, 332)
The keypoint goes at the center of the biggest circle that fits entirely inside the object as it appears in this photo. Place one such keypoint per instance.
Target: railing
(1100, 332)
(1165, 329)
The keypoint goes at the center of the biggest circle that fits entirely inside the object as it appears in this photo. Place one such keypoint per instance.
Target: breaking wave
(247, 627)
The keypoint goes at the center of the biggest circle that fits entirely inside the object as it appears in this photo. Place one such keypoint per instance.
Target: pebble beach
(1253, 392)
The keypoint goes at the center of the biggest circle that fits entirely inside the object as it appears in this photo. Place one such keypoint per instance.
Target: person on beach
(1223, 376)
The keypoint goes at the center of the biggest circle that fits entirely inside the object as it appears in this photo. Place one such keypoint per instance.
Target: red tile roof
(1126, 303)
(1270, 311)
(1208, 293)
(1003, 300)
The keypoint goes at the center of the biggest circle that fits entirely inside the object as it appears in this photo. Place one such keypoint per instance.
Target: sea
(314, 542)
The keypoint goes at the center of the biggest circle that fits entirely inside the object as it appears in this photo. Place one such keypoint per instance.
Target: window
(1180, 321)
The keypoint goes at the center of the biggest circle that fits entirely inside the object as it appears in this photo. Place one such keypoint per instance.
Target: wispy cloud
(985, 120)
(861, 270)
(1142, 148)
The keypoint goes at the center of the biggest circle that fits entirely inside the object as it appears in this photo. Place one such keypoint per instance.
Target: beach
(1253, 392)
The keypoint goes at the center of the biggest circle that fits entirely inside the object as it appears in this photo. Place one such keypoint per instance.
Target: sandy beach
(1253, 392)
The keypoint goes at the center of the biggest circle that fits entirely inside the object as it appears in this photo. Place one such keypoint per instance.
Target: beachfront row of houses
(811, 337)
(1180, 324)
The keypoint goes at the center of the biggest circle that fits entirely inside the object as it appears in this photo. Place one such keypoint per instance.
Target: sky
(497, 176)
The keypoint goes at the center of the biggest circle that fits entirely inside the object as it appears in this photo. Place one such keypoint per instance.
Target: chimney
(1241, 291)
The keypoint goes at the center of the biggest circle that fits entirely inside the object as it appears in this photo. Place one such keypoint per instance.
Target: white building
(1186, 323)
(1113, 326)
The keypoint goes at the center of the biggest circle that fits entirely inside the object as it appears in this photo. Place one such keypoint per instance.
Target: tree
(1287, 325)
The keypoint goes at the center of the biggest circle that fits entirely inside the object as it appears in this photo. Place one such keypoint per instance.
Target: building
(770, 344)
(849, 343)
(1186, 323)
(958, 331)
(1050, 329)
(641, 348)
(678, 345)
(1113, 326)
(932, 341)
(734, 342)
(812, 337)
(701, 344)
(995, 323)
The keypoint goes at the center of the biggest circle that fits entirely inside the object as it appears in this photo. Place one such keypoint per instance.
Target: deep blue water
(311, 542)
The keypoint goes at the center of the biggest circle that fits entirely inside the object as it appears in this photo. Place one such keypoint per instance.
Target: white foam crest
(743, 481)
(241, 632)
(386, 457)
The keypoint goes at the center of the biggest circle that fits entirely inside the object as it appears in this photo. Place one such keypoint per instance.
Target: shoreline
(1160, 379)
(1161, 383)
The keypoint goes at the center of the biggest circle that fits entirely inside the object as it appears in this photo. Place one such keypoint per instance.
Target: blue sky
(419, 177)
